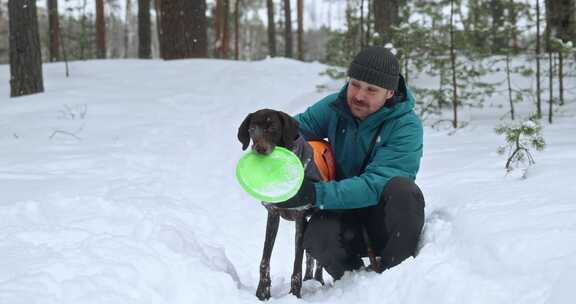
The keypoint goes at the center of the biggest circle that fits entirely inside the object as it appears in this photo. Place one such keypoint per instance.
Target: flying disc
(271, 178)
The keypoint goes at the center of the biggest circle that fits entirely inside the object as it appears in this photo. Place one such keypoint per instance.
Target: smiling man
(373, 208)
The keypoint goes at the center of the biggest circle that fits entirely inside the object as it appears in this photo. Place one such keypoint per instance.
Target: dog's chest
(305, 153)
(288, 214)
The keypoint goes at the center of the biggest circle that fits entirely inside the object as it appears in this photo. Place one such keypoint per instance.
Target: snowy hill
(118, 186)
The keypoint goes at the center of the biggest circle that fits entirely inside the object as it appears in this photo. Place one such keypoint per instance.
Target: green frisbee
(270, 178)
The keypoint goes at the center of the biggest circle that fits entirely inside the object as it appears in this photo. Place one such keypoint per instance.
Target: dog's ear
(243, 135)
(289, 129)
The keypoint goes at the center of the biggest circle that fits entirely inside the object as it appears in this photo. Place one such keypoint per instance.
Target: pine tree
(343, 45)
(199, 29)
(144, 30)
(53, 30)
(183, 29)
(498, 40)
(512, 49)
(386, 16)
(453, 65)
(443, 50)
(300, 14)
(538, 72)
(271, 28)
(560, 28)
(127, 27)
(222, 28)
(561, 19)
(520, 138)
(237, 29)
(25, 56)
(100, 30)
(288, 30)
(161, 37)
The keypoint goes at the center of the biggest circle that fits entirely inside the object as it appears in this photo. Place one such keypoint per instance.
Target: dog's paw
(263, 292)
(296, 285)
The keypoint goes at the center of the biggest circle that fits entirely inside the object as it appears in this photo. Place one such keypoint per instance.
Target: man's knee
(403, 191)
(403, 207)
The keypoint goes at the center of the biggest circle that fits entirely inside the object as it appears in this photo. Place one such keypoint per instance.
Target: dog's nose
(260, 149)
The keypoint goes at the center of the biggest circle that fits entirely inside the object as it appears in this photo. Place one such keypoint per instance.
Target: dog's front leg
(296, 282)
(263, 291)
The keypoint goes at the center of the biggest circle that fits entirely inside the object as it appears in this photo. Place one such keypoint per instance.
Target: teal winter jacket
(397, 151)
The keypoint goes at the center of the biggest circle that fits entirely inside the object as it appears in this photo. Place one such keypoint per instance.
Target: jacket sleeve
(400, 156)
(314, 122)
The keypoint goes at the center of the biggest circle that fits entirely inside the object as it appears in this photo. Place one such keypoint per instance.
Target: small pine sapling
(520, 138)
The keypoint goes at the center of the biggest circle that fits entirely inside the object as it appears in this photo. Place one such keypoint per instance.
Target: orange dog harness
(324, 159)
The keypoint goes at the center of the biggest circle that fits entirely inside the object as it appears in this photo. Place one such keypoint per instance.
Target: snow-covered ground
(117, 186)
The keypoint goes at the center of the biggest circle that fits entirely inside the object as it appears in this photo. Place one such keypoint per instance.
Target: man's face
(364, 99)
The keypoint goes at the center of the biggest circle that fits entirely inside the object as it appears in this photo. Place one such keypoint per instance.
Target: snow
(118, 186)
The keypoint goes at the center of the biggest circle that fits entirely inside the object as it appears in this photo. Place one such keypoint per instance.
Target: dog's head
(268, 129)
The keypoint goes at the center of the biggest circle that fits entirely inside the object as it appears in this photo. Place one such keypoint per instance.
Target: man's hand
(306, 197)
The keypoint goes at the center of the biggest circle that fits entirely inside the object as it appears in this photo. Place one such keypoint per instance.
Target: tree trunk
(498, 40)
(561, 76)
(100, 30)
(551, 84)
(237, 29)
(513, 19)
(226, 33)
(300, 14)
(386, 15)
(127, 27)
(144, 30)
(561, 19)
(288, 29)
(53, 31)
(218, 25)
(25, 54)
(362, 43)
(271, 28)
(509, 83)
(83, 31)
(368, 23)
(183, 33)
(158, 10)
(453, 62)
(222, 28)
(199, 29)
(538, 100)
(406, 71)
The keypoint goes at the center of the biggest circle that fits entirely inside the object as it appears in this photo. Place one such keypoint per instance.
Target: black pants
(337, 239)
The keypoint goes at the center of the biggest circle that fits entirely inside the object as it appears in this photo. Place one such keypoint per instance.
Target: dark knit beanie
(376, 65)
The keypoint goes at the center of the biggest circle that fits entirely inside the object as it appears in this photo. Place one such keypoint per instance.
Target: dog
(267, 129)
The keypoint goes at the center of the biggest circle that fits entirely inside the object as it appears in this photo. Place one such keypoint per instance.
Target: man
(373, 208)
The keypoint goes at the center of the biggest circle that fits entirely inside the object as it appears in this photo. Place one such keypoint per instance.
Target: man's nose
(360, 95)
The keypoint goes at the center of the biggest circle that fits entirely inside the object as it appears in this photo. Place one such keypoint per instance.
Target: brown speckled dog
(267, 129)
